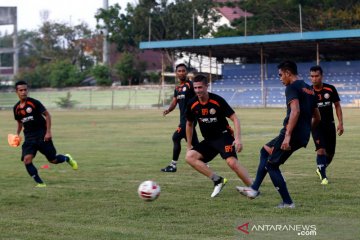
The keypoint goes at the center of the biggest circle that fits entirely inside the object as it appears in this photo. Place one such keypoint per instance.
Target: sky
(64, 11)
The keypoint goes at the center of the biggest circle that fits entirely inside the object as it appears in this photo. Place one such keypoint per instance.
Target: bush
(102, 75)
(66, 102)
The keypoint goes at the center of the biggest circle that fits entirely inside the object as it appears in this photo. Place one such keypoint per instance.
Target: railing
(155, 96)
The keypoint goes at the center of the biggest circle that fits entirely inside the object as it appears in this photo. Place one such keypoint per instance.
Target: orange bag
(14, 140)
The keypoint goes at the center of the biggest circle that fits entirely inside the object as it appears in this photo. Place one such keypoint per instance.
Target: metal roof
(333, 45)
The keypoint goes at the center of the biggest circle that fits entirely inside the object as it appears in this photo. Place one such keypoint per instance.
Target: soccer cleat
(248, 192)
(72, 162)
(286, 205)
(218, 186)
(40, 185)
(318, 173)
(170, 168)
(325, 181)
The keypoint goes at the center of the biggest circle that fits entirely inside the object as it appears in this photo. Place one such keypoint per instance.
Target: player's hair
(201, 78)
(288, 66)
(316, 68)
(180, 65)
(20, 83)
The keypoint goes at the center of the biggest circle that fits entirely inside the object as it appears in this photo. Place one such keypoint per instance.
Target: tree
(276, 16)
(169, 20)
(102, 75)
(64, 74)
(125, 68)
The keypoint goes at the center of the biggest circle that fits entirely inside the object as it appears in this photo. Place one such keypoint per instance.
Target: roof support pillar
(262, 75)
(210, 76)
(317, 54)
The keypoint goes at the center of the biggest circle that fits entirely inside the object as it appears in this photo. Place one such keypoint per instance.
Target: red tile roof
(231, 13)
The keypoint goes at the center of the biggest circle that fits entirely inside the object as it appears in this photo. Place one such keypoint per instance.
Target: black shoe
(170, 168)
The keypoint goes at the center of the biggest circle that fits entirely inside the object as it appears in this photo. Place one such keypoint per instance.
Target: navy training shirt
(307, 101)
(326, 96)
(183, 93)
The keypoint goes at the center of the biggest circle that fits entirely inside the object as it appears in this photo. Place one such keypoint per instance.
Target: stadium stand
(241, 86)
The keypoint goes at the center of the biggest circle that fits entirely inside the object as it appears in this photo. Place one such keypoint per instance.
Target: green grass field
(117, 150)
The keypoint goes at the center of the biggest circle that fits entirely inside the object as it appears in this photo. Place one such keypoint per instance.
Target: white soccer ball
(149, 190)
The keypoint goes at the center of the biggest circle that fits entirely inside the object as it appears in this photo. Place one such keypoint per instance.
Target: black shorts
(279, 156)
(45, 147)
(324, 136)
(210, 148)
(180, 133)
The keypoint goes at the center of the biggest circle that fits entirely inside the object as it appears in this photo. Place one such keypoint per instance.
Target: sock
(321, 164)
(329, 159)
(31, 169)
(61, 158)
(279, 182)
(173, 163)
(261, 172)
(176, 149)
(215, 177)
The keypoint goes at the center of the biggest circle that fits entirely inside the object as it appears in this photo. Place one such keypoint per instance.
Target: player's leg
(277, 158)
(240, 170)
(176, 138)
(321, 158)
(227, 151)
(197, 159)
(28, 154)
(330, 144)
(48, 149)
(253, 191)
(261, 171)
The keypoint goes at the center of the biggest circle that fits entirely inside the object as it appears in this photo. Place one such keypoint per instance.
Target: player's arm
(48, 126)
(172, 106)
(316, 118)
(237, 133)
(340, 127)
(293, 118)
(19, 127)
(189, 133)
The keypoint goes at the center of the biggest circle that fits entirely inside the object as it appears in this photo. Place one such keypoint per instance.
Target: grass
(117, 150)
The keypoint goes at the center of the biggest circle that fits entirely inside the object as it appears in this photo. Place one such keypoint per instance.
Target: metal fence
(151, 96)
(155, 96)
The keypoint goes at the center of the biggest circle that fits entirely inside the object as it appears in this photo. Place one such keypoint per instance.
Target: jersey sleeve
(14, 111)
(228, 111)
(190, 116)
(336, 97)
(291, 93)
(192, 91)
(39, 106)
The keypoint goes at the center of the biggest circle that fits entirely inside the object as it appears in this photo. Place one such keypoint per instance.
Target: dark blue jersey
(307, 102)
(31, 116)
(183, 93)
(326, 96)
(210, 116)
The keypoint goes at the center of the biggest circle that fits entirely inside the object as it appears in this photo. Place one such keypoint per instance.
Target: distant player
(301, 115)
(324, 135)
(33, 117)
(211, 112)
(182, 94)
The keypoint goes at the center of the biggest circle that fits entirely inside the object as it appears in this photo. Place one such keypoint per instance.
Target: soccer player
(31, 115)
(324, 135)
(301, 115)
(182, 94)
(211, 111)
